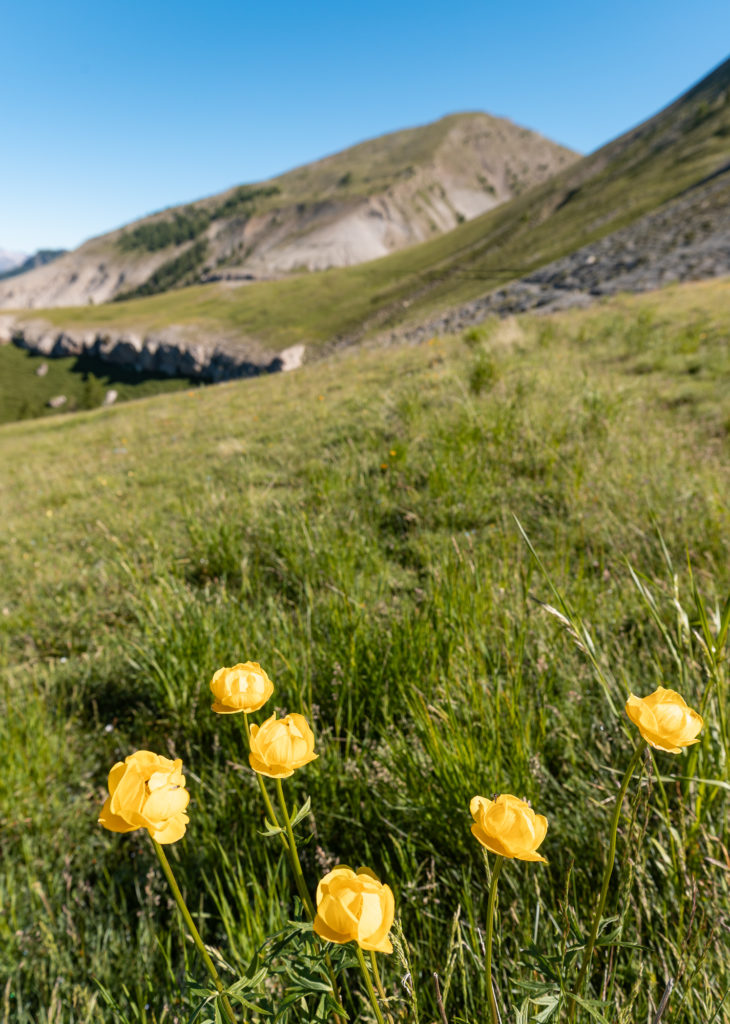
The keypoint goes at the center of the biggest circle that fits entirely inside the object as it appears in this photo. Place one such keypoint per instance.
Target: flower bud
(664, 720)
(245, 687)
(281, 745)
(355, 907)
(508, 826)
(147, 791)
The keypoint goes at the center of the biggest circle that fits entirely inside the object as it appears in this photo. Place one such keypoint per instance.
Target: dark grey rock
(687, 239)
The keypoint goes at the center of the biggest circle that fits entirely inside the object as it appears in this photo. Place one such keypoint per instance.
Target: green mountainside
(359, 204)
(682, 146)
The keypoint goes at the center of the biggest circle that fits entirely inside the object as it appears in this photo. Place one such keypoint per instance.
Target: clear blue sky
(110, 110)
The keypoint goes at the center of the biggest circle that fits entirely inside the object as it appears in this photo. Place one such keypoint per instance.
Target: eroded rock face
(156, 353)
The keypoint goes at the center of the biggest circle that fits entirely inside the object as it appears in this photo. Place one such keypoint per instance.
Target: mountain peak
(366, 201)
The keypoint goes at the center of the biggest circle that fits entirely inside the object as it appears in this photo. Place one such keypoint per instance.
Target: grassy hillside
(351, 527)
(84, 381)
(679, 148)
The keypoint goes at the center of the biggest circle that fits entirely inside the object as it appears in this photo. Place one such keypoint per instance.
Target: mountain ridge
(25, 262)
(573, 226)
(373, 198)
(9, 259)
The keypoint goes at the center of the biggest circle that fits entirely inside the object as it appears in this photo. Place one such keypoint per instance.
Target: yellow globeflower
(281, 745)
(664, 720)
(147, 791)
(245, 687)
(355, 907)
(508, 826)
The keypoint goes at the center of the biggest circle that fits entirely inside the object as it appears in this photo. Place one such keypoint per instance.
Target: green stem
(272, 814)
(588, 952)
(293, 855)
(299, 879)
(262, 787)
(193, 930)
(368, 982)
(290, 848)
(378, 982)
(490, 925)
(246, 732)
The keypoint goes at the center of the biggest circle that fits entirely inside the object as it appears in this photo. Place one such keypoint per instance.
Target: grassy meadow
(83, 380)
(353, 527)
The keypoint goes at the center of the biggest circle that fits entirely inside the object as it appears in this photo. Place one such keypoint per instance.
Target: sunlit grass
(351, 527)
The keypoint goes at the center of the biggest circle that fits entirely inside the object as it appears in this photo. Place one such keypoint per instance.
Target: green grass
(24, 395)
(351, 526)
(368, 168)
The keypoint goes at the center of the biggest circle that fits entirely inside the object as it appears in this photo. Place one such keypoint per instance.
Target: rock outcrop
(168, 352)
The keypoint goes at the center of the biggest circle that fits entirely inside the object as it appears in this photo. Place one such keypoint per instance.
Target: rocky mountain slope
(357, 205)
(687, 239)
(650, 207)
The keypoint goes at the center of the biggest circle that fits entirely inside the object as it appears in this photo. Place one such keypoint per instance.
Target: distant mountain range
(14, 263)
(8, 260)
(359, 204)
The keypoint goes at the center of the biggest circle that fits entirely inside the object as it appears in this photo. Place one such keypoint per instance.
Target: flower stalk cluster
(148, 791)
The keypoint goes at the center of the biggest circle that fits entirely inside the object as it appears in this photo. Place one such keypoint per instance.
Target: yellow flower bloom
(508, 826)
(147, 791)
(245, 687)
(281, 745)
(664, 720)
(355, 907)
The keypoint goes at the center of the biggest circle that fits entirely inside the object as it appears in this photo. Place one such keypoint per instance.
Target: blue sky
(111, 110)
